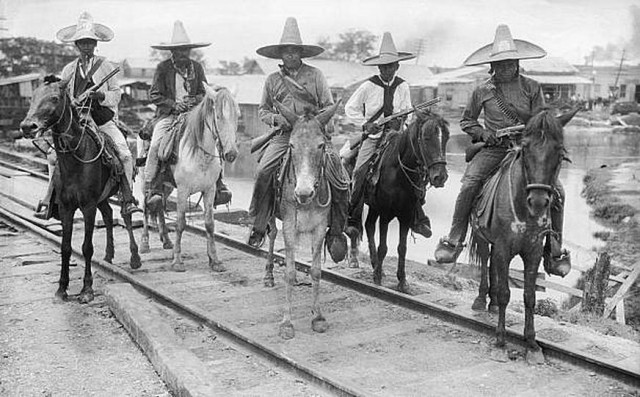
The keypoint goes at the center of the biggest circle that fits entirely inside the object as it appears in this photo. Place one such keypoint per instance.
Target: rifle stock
(258, 142)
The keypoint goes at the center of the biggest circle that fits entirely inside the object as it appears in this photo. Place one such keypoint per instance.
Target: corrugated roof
(560, 79)
(20, 79)
(461, 75)
(546, 65)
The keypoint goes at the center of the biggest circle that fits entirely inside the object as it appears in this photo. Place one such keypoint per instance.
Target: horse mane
(398, 141)
(544, 124)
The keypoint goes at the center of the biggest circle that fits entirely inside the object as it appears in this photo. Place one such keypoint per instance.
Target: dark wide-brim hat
(503, 48)
(85, 29)
(290, 37)
(179, 39)
(388, 53)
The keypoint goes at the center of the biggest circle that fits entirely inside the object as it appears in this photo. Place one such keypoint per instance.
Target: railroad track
(380, 342)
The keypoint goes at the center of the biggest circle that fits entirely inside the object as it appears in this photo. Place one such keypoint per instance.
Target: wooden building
(15, 97)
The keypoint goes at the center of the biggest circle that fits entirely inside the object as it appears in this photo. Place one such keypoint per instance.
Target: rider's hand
(97, 96)
(280, 121)
(181, 107)
(371, 128)
(489, 138)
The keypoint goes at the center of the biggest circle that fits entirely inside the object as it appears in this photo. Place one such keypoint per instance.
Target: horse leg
(268, 276)
(66, 215)
(370, 227)
(89, 215)
(290, 239)
(214, 262)
(493, 286)
(402, 253)
(183, 196)
(383, 223)
(531, 263)
(480, 303)
(144, 243)
(134, 260)
(164, 232)
(353, 252)
(500, 261)
(319, 323)
(107, 218)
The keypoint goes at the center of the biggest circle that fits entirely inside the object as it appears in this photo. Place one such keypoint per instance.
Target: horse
(304, 207)
(210, 129)
(512, 217)
(411, 160)
(86, 181)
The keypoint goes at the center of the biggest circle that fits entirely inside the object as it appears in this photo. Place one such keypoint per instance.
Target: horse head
(432, 136)
(307, 147)
(542, 154)
(48, 107)
(225, 120)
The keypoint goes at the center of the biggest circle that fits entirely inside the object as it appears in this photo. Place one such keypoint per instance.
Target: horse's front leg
(89, 215)
(273, 233)
(107, 218)
(134, 260)
(146, 214)
(290, 241)
(214, 262)
(531, 263)
(480, 303)
(370, 228)
(353, 251)
(500, 264)
(164, 231)
(183, 196)
(66, 215)
(318, 323)
(402, 253)
(383, 223)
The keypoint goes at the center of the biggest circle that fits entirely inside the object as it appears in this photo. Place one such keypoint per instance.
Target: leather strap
(83, 85)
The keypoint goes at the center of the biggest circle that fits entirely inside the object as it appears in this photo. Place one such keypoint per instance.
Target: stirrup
(447, 251)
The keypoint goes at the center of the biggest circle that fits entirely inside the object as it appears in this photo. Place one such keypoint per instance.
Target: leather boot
(223, 194)
(450, 247)
(448, 250)
(421, 222)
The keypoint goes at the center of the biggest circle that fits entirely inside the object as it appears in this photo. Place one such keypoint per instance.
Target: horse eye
(321, 145)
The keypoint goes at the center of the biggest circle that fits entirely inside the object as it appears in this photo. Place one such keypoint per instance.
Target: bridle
(422, 166)
(319, 177)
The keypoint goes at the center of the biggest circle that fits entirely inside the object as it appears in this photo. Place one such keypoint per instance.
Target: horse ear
(566, 117)
(324, 117)
(286, 112)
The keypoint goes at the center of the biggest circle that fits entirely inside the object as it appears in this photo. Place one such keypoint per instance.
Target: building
(613, 80)
(561, 82)
(454, 87)
(15, 97)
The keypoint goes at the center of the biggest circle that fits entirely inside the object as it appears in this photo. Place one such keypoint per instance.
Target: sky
(450, 30)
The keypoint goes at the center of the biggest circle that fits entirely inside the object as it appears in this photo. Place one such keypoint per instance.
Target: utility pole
(615, 85)
(3, 28)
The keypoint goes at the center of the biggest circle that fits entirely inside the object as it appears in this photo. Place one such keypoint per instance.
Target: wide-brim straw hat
(85, 29)
(388, 53)
(179, 39)
(503, 48)
(290, 37)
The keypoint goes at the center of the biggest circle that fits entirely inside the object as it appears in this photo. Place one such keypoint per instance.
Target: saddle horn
(324, 117)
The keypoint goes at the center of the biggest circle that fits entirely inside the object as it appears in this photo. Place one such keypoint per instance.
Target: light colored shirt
(306, 76)
(367, 100)
(111, 88)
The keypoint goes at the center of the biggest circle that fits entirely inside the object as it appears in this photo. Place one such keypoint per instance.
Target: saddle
(168, 147)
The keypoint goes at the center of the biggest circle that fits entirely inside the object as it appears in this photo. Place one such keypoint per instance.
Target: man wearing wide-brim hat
(176, 88)
(507, 99)
(381, 95)
(297, 85)
(101, 107)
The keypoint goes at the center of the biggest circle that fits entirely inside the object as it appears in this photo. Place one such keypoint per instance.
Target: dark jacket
(163, 88)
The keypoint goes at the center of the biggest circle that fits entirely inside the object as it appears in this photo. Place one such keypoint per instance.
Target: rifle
(385, 120)
(83, 97)
(476, 147)
(258, 142)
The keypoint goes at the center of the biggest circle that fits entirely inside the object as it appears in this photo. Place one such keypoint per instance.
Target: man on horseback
(297, 86)
(507, 99)
(378, 97)
(101, 106)
(177, 87)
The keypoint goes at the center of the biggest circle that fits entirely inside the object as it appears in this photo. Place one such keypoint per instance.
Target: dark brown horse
(86, 181)
(515, 218)
(412, 159)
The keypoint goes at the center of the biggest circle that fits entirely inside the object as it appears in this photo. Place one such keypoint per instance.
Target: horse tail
(474, 255)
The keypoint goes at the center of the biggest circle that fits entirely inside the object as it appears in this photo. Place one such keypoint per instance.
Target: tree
(352, 46)
(230, 68)
(22, 55)
(160, 55)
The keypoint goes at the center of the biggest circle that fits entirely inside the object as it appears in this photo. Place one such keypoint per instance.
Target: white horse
(305, 205)
(209, 138)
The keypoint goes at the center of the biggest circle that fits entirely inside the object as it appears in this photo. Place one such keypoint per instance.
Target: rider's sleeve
(265, 110)
(404, 100)
(354, 109)
(111, 88)
(158, 90)
(469, 122)
(325, 98)
(200, 78)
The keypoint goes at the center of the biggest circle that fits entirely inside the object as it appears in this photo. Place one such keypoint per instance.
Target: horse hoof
(493, 309)
(268, 281)
(353, 263)
(535, 357)
(135, 262)
(479, 304)
(85, 297)
(500, 355)
(404, 288)
(108, 259)
(287, 331)
(178, 267)
(61, 295)
(167, 245)
(217, 266)
(144, 248)
(377, 280)
(319, 324)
